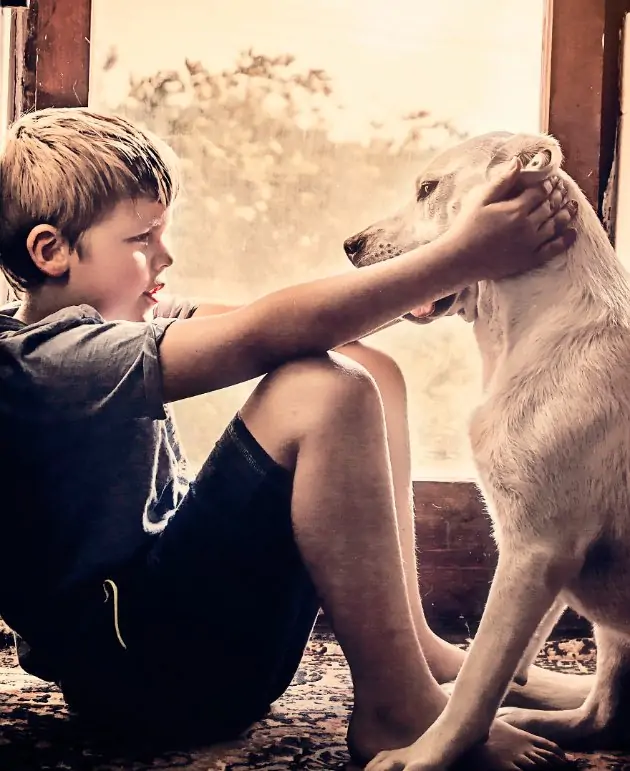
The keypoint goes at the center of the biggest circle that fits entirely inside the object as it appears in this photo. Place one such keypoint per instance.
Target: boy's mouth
(152, 292)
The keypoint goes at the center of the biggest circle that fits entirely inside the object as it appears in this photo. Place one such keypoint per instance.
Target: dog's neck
(585, 286)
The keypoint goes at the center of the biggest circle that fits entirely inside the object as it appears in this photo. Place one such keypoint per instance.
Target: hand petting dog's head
(439, 193)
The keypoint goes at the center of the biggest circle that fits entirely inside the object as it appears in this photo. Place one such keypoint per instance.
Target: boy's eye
(142, 238)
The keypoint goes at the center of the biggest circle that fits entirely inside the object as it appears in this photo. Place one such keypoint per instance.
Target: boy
(305, 500)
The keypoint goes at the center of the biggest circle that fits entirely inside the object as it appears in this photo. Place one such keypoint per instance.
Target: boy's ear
(49, 250)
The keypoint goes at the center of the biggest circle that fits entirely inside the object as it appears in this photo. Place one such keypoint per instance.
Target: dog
(551, 445)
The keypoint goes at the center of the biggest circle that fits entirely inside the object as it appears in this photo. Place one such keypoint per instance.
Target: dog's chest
(489, 440)
(500, 467)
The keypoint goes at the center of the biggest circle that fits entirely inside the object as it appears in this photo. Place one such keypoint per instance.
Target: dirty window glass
(300, 122)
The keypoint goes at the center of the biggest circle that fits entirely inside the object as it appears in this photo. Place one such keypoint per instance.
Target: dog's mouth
(423, 314)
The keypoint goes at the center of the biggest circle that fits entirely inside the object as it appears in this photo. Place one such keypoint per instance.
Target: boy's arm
(212, 309)
(490, 239)
(206, 353)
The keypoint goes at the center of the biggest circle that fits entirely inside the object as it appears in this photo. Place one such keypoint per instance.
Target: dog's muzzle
(355, 249)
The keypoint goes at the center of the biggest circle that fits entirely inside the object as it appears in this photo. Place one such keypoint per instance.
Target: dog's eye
(426, 188)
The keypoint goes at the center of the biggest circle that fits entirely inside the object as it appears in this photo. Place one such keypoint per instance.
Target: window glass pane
(300, 122)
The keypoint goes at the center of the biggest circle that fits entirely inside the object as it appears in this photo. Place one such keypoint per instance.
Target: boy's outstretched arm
(491, 239)
(213, 309)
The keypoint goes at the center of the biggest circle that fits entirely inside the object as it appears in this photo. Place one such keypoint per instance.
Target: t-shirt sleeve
(175, 307)
(73, 364)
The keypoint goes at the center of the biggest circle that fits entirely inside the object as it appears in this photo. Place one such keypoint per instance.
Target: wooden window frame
(580, 105)
(52, 55)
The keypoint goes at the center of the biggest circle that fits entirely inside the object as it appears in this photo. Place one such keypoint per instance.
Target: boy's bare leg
(323, 418)
(545, 689)
(443, 659)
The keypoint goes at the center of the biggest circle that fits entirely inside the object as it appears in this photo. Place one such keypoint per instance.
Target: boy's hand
(495, 237)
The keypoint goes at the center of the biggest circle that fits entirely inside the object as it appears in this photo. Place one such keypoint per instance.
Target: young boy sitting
(170, 607)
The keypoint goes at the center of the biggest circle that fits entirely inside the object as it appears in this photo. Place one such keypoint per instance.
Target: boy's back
(94, 467)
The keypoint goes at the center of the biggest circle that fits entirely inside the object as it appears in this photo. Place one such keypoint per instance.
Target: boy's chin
(138, 312)
(135, 314)
(142, 311)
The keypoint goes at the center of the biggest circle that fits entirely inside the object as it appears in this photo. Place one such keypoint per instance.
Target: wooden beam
(580, 89)
(53, 48)
(25, 60)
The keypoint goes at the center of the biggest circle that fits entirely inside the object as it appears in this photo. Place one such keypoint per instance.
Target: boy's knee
(324, 386)
(309, 395)
(381, 366)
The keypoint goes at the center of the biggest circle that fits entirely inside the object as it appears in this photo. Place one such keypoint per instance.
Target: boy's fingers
(557, 245)
(557, 199)
(535, 201)
(556, 224)
(499, 188)
(550, 206)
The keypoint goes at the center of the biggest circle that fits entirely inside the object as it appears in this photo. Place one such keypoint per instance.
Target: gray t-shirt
(91, 465)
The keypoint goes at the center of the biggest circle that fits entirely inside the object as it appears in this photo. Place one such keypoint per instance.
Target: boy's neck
(35, 306)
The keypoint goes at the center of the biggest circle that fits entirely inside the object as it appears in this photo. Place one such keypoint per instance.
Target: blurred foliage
(277, 176)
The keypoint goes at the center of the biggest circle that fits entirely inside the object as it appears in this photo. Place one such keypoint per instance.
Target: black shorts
(215, 619)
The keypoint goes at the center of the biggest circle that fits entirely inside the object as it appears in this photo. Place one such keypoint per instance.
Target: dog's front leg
(524, 588)
(538, 640)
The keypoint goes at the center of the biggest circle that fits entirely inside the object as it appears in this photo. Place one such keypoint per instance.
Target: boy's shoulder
(56, 322)
(74, 363)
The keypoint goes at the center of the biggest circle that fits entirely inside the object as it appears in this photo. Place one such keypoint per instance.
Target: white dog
(551, 443)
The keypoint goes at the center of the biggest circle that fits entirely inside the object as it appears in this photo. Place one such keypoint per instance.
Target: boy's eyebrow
(157, 222)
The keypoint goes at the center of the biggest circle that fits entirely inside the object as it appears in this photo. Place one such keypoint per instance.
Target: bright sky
(477, 63)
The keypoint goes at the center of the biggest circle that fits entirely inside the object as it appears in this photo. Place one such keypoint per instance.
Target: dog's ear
(540, 155)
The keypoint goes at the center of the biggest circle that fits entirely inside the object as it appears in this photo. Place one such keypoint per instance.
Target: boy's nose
(165, 259)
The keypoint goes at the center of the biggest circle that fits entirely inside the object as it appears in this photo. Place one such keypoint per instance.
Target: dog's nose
(354, 245)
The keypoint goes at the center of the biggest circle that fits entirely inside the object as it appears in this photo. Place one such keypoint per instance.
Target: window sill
(457, 558)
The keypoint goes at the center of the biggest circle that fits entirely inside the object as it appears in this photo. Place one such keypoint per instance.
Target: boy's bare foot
(544, 690)
(513, 749)
(372, 731)
(506, 749)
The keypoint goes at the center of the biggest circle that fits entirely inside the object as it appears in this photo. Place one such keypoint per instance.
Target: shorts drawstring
(115, 593)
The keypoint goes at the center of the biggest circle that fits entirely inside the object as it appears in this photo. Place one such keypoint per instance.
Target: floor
(305, 729)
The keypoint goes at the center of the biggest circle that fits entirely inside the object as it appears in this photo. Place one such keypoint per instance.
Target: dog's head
(440, 190)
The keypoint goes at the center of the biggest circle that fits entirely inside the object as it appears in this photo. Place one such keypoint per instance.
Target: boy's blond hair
(68, 168)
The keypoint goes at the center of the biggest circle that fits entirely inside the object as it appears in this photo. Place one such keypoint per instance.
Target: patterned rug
(305, 729)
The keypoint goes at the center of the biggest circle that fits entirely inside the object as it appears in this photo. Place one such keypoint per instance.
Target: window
(299, 123)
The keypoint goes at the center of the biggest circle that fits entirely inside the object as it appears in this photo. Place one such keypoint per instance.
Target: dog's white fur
(551, 443)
